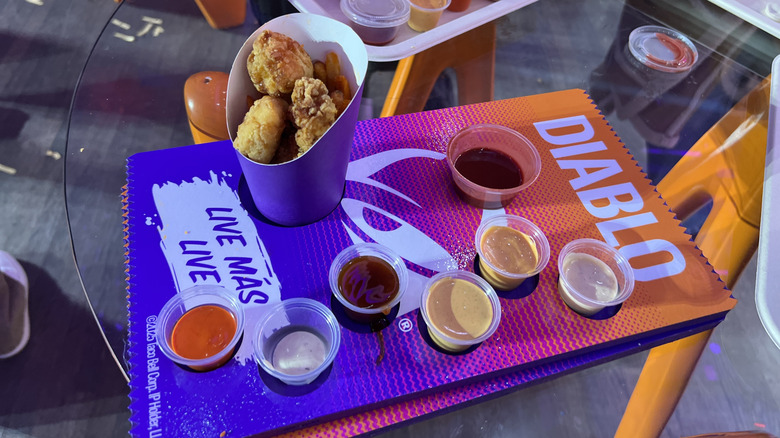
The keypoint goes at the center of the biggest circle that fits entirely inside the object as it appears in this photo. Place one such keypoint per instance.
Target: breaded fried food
(288, 149)
(313, 111)
(339, 101)
(276, 62)
(259, 134)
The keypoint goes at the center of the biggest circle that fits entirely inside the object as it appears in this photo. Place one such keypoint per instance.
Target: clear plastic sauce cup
(510, 250)
(200, 327)
(368, 279)
(376, 22)
(425, 14)
(592, 276)
(491, 164)
(296, 340)
(460, 309)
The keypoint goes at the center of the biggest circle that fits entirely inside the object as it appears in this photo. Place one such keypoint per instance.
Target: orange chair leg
(471, 55)
(476, 75)
(721, 166)
(660, 386)
(728, 255)
(223, 14)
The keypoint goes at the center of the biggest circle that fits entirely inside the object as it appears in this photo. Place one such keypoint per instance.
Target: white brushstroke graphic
(208, 238)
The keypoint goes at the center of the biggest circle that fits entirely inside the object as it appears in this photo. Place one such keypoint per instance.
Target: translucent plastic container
(593, 275)
(425, 14)
(499, 265)
(358, 288)
(662, 49)
(505, 150)
(456, 323)
(180, 327)
(376, 21)
(296, 340)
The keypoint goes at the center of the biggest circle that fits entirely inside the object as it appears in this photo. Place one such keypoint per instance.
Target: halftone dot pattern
(536, 327)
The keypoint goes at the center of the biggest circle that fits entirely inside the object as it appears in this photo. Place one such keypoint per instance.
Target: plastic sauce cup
(499, 264)
(593, 275)
(499, 141)
(296, 340)
(460, 310)
(376, 21)
(425, 14)
(368, 292)
(184, 311)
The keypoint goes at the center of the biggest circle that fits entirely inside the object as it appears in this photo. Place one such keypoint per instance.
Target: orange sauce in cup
(203, 332)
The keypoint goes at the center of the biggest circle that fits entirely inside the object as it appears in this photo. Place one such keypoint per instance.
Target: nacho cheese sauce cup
(200, 327)
(296, 340)
(592, 276)
(510, 250)
(425, 14)
(460, 309)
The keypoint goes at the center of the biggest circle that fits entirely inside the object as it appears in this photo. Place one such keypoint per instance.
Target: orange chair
(204, 98)
(726, 166)
(222, 14)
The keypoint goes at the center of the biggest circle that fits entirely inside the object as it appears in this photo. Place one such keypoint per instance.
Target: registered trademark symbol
(405, 325)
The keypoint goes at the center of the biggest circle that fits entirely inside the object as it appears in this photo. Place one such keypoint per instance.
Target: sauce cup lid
(662, 49)
(479, 282)
(376, 13)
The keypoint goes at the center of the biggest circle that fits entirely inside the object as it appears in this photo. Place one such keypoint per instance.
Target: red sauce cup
(224, 327)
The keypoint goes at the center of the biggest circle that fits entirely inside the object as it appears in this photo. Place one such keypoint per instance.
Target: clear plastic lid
(662, 49)
(772, 10)
(376, 13)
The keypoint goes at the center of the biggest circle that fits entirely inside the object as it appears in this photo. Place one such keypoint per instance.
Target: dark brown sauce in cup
(368, 282)
(489, 168)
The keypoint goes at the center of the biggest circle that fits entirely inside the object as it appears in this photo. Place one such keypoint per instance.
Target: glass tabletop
(129, 99)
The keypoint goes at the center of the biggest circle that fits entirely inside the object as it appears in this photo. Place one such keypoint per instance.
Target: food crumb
(120, 23)
(121, 36)
(152, 20)
(7, 169)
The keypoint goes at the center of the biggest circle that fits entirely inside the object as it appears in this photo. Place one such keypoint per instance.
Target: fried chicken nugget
(276, 62)
(313, 111)
(259, 134)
